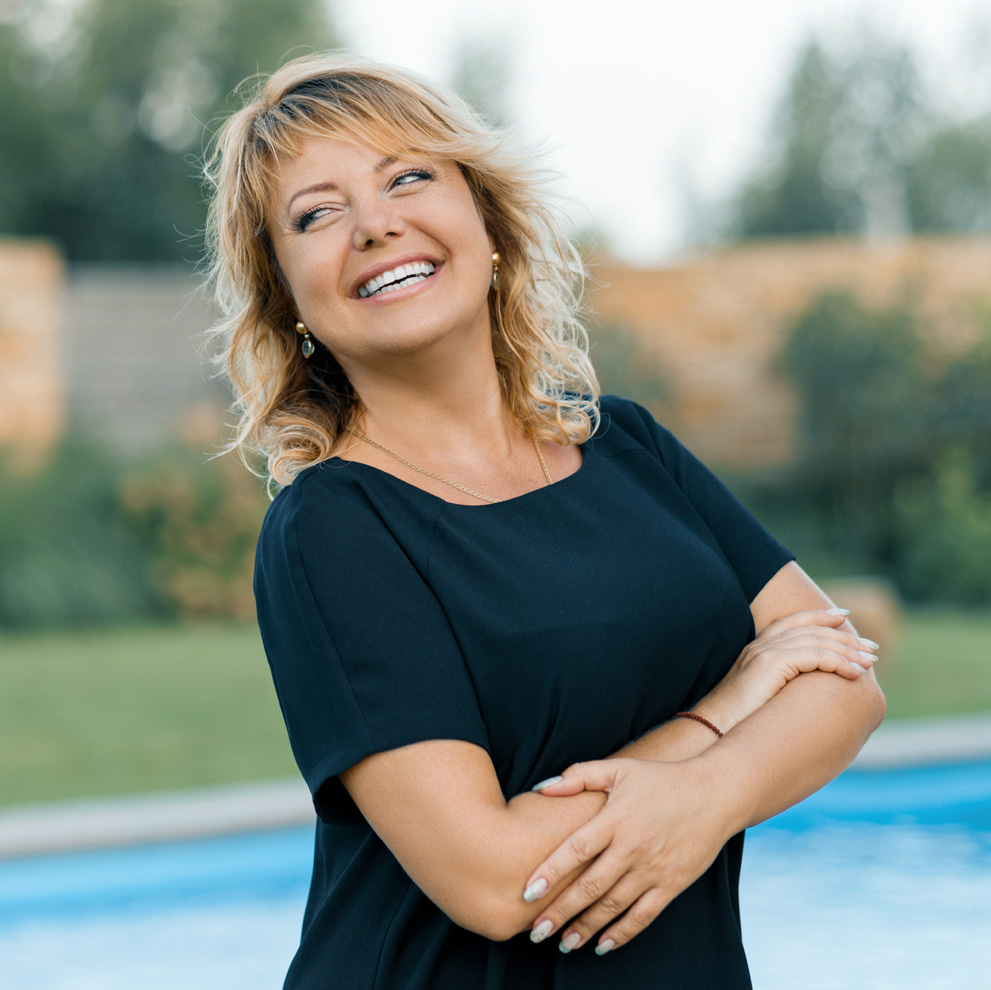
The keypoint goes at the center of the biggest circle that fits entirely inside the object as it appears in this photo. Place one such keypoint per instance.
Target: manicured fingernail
(837, 611)
(541, 931)
(547, 783)
(570, 942)
(870, 643)
(856, 666)
(537, 889)
(606, 945)
(869, 657)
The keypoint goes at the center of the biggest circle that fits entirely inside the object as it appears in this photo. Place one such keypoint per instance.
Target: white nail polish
(536, 890)
(856, 666)
(606, 945)
(541, 931)
(572, 941)
(547, 783)
(869, 657)
(837, 611)
(870, 643)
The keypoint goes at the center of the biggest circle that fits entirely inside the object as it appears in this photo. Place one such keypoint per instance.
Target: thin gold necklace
(447, 481)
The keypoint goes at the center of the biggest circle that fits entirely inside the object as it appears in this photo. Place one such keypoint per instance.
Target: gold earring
(495, 270)
(308, 345)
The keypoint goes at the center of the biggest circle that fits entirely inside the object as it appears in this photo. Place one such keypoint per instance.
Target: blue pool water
(882, 880)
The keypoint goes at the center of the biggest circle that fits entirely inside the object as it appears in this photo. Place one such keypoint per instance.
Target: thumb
(596, 775)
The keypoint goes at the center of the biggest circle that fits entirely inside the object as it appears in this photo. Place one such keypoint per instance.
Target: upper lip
(387, 266)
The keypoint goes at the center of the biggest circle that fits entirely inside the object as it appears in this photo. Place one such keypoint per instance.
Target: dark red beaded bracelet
(698, 718)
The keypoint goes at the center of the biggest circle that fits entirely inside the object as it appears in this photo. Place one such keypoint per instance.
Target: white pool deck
(94, 823)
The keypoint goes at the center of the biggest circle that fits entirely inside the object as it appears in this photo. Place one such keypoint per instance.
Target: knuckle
(578, 845)
(610, 905)
(640, 916)
(589, 887)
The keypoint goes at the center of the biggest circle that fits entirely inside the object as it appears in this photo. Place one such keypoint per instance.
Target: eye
(412, 176)
(306, 218)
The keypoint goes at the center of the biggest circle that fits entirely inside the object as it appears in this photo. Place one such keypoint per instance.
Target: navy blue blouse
(549, 628)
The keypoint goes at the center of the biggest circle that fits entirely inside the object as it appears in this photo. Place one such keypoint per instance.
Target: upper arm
(438, 806)
(790, 590)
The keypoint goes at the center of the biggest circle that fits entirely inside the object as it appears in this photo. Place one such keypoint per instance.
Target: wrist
(717, 708)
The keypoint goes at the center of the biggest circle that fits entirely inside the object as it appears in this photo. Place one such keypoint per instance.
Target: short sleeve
(751, 551)
(361, 652)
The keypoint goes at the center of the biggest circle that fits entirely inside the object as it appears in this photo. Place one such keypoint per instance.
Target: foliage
(894, 470)
(103, 116)
(198, 522)
(861, 145)
(67, 557)
(88, 541)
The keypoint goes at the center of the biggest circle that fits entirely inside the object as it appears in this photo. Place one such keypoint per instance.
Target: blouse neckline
(585, 449)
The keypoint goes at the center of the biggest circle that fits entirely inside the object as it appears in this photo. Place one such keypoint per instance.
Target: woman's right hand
(819, 639)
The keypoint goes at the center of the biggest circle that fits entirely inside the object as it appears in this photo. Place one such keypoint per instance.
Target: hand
(792, 645)
(660, 829)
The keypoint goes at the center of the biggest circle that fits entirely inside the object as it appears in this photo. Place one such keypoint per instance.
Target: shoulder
(626, 425)
(322, 513)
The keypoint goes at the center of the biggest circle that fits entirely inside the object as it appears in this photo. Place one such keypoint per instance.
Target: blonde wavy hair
(291, 410)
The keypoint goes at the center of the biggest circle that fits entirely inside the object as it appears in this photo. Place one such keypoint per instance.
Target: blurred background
(808, 306)
(786, 207)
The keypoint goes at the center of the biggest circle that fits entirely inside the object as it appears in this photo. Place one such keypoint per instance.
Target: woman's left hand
(659, 831)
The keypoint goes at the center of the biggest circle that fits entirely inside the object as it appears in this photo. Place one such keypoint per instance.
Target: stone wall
(717, 324)
(118, 344)
(32, 389)
(132, 343)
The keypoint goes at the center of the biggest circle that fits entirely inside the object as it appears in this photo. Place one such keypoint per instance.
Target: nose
(375, 223)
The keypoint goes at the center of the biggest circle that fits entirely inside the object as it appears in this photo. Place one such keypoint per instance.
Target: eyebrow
(332, 186)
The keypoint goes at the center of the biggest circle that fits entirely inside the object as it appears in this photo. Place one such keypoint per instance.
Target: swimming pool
(882, 880)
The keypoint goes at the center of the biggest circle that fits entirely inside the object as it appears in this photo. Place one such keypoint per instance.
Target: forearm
(679, 739)
(793, 745)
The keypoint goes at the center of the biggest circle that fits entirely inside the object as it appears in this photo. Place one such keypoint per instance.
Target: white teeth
(396, 278)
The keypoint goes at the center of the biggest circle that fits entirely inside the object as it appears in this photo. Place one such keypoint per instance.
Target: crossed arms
(619, 838)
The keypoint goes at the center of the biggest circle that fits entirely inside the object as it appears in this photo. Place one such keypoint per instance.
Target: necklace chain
(447, 481)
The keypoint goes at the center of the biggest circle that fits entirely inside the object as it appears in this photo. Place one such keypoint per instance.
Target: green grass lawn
(144, 709)
(152, 708)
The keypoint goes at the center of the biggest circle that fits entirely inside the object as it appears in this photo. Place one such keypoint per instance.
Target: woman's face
(384, 256)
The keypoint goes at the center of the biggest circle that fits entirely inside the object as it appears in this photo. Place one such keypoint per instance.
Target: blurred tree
(105, 116)
(949, 179)
(860, 146)
(893, 474)
(483, 69)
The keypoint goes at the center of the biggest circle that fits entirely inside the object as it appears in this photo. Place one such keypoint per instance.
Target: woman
(475, 575)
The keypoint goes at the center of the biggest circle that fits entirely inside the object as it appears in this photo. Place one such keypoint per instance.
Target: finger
(560, 786)
(820, 632)
(582, 846)
(816, 616)
(604, 911)
(848, 663)
(607, 882)
(595, 775)
(639, 915)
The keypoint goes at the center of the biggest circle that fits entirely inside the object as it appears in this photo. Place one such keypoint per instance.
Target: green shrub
(198, 521)
(88, 541)
(67, 555)
(893, 471)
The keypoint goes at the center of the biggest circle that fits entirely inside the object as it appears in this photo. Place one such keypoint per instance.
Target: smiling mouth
(397, 278)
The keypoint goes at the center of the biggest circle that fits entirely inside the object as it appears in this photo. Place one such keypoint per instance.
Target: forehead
(331, 159)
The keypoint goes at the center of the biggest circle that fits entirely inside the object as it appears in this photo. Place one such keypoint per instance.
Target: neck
(441, 405)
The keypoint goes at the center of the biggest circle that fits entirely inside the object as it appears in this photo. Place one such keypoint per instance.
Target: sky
(641, 103)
